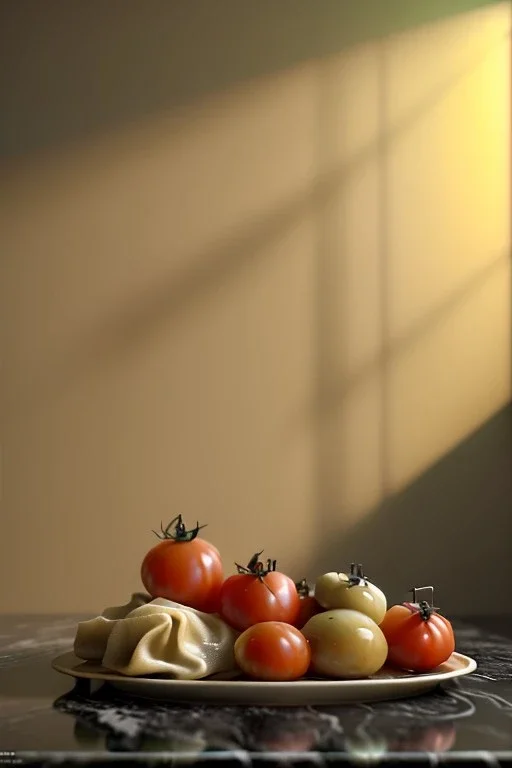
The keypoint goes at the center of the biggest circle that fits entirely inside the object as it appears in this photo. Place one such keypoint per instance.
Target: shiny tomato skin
(188, 572)
(273, 651)
(308, 607)
(415, 644)
(246, 599)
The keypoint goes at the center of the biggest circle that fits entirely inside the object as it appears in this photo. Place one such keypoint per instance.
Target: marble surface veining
(46, 718)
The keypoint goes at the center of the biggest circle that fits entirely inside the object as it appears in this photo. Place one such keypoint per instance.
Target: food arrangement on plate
(193, 623)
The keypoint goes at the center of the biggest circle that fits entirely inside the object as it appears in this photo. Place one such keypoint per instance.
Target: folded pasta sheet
(120, 611)
(162, 637)
(92, 635)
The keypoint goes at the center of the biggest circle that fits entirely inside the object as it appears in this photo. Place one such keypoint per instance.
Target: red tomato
(308, 606)
(419, 639)
(257, 594)
(273, 650)
(184, 568)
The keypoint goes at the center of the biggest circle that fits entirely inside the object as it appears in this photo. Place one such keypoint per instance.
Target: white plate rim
(467, 665)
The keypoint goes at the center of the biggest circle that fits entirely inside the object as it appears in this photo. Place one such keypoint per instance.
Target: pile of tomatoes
(344, 630)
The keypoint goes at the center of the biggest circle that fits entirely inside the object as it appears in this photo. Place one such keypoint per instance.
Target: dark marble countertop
(46, 719)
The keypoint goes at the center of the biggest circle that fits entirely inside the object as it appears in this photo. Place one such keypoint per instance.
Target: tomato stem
(256, 568)
(180, 531)
(303, 588)
(356, 576)
(423, 608)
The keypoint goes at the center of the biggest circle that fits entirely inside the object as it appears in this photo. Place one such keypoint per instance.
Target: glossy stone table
(45, 718)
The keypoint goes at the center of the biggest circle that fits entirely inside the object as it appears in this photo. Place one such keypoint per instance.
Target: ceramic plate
(387, 684)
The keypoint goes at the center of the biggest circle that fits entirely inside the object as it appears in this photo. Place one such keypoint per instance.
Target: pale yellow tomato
(345, 644)
(354, 591)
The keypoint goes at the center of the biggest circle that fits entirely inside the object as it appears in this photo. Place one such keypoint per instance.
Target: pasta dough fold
(159, 637)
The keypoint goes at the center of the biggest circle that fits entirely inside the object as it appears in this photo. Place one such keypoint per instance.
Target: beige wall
(271, 304)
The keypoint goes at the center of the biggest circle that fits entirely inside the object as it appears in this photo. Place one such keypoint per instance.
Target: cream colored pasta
(120, 611)
(92, 635)
(160, 637)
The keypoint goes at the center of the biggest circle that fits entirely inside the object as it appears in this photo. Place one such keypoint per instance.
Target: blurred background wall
(255, 268)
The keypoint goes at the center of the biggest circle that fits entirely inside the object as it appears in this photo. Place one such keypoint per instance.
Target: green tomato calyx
(180, 532)
(356, 577)
(256, 568)
(423, 608)
(303, 588)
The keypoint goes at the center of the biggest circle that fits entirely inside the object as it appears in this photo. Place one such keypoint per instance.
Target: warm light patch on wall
(415, 300)
(448, 236)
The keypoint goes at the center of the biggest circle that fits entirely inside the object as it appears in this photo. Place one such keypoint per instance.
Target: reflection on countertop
(44, 717)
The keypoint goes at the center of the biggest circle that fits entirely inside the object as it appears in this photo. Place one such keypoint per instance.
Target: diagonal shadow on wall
(127, 329)
(449, 516)
(84, 68)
